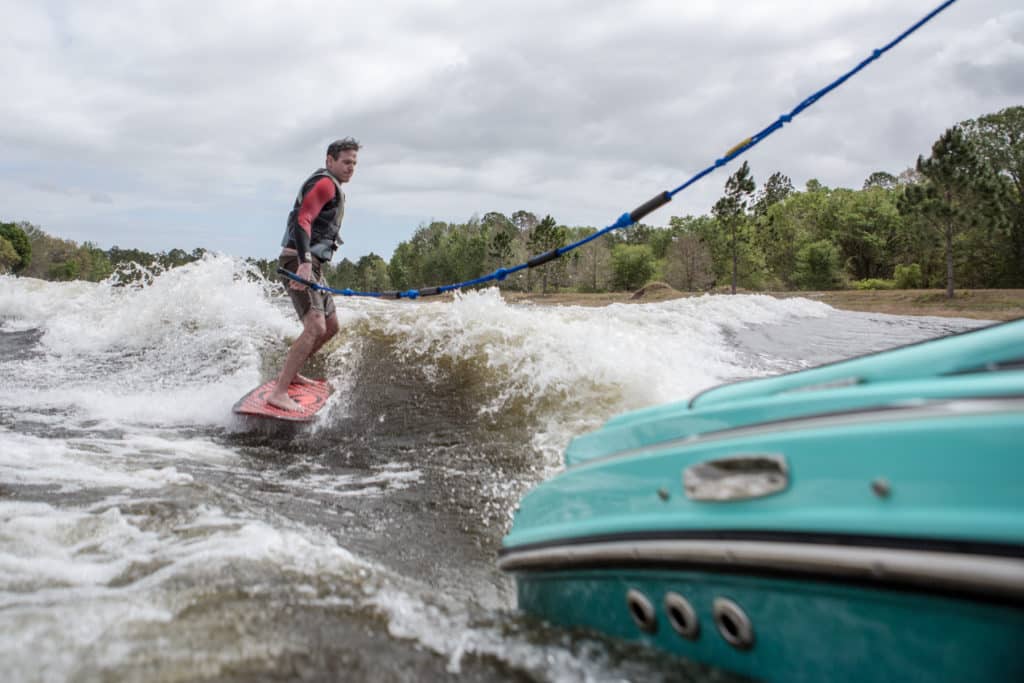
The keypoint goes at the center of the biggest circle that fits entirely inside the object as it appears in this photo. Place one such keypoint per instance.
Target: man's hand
(305, 271)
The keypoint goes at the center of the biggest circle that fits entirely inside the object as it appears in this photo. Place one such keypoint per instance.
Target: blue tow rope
(656, 202)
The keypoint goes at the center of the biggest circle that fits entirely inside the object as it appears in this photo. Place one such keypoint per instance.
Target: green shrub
(874, 283)
(19, 241)
(817, 266)
(632, 265)
(909, 277)
(63, 272)
(9, 258)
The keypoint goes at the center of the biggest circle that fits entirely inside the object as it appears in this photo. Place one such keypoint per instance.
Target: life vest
(326, 226)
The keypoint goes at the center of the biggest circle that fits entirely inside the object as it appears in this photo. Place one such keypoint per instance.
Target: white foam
(183, 348)
(179, 350)
(386, 478)
(44, 546)
(447, 630)
(11, 324)
(47, 547)
(214, 296)
(77, 465)
(583, 364)
(647, 353)
(77, 584)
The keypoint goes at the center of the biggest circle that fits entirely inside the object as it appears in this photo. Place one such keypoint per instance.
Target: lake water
(147, 533)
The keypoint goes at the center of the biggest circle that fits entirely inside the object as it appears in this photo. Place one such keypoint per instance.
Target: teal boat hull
(859, 521)
(802, 630)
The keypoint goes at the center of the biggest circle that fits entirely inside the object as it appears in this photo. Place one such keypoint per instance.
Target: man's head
(341, 158)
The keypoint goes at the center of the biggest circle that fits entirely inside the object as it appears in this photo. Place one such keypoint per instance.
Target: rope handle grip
(292, 276)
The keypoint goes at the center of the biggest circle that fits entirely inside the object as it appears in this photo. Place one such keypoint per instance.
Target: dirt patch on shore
(980, 304)
(655, 291)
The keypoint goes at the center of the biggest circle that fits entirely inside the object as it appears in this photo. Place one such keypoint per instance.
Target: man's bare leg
(331, 329)
(313, 328)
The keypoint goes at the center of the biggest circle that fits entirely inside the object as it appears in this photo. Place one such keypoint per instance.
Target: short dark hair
(343, 145)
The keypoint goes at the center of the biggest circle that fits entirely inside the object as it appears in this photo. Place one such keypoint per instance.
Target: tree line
(26, 249)
(955, 219)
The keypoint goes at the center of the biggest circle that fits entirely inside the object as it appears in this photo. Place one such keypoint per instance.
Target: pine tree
(999, 140)
(958, 193)
(776, 189)
(544, 237)
(731, 210)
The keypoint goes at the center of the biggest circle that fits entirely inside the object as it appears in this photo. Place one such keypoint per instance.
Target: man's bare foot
(283, 402)
(302, 379)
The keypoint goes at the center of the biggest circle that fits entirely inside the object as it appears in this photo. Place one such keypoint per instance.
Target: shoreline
(978, 304)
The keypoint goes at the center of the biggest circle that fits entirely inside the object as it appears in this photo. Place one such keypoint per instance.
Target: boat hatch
(736, 477)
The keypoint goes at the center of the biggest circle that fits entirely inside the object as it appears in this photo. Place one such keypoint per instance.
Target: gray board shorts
(307, 299)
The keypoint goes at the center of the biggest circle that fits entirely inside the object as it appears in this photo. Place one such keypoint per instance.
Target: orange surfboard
(311, 398)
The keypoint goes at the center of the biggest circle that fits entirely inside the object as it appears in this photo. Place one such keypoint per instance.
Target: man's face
(344, 166)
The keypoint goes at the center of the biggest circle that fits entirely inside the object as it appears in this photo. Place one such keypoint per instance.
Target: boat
(858, 521)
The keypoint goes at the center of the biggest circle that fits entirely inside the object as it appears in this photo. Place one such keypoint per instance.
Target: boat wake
(140, 507)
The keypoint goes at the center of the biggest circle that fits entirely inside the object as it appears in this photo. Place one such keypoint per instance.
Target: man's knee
(331, 326)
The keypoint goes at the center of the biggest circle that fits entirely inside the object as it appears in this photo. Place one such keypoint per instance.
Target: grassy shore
(981, 304)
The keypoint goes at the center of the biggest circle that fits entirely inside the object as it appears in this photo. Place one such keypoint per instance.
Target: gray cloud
(51, 188)
(992, 79)
(206, 118)
(989, 65)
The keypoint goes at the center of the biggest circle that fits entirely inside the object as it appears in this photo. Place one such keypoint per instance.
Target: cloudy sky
(156, 124)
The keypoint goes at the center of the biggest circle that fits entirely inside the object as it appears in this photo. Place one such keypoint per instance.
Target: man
(310, 239)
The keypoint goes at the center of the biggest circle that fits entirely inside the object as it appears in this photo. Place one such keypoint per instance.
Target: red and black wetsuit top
(314, 223)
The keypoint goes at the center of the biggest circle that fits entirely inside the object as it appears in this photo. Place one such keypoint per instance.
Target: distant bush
(9, 257)
(817, 266)
(909, 277)
(632, 265)
(874, 283)
(63, 272)
(14, 239)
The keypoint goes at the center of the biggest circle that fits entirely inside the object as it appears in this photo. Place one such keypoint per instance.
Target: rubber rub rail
(656, 202)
